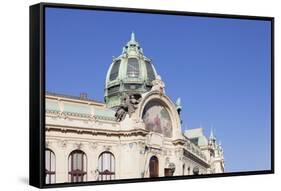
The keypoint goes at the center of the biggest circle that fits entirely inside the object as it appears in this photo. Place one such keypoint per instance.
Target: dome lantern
(130, 73)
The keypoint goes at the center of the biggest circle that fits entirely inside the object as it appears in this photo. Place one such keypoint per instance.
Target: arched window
(115, 70)
(50, 166)
(106, 166)
(77, 165)
(133, 69)
(153, 167)
(150, 71)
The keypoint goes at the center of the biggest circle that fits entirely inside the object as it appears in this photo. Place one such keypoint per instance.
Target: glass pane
(150, 71)
(69, 163)
(47, 160)
(52, 178)
(79, 161)
(53, 162)
(106, 161)
(106, 165)
(114, 71)
(133, 68)
(100, 164)
(74, 161)
(47, 179)
(84, 163)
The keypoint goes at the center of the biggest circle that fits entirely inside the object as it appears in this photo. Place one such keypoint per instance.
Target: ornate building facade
(136, 133)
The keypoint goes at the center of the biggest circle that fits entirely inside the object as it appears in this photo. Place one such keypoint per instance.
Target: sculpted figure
(128, 105)
(122, 110)
(159, 85)
(132, 104)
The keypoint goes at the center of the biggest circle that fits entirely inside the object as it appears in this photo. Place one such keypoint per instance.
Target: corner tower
(131, 72)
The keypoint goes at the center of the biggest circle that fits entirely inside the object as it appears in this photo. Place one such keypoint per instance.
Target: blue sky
(219, 67)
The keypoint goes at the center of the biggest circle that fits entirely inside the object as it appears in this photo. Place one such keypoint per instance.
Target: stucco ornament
(128, 105)
(158, 85)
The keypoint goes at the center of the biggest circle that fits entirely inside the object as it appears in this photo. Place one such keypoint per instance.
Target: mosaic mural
(157, 119)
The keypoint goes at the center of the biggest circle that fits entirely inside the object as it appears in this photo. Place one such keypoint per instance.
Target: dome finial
(133, 37)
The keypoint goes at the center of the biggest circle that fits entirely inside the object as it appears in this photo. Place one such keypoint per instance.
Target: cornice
(95, 131)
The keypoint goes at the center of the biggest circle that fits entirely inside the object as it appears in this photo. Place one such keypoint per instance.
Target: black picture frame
(37, 94)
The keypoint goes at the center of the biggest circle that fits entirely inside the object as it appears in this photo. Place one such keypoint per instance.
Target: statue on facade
(128, 105)
(158, 84)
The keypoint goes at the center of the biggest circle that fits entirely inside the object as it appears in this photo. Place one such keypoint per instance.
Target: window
(114, 71)
(106, 166)
(133, 68)
(194, 140)
(50, 166)
(154, 167)
(77, 164)
(150, 71)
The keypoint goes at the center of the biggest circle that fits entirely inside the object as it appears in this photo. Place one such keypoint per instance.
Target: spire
(178, 105)
(133, 36)
(132, 45)
(212, 137)
(133, 39)
(178, 102)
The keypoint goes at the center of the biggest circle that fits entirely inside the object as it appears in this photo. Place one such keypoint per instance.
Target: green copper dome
(131, 72)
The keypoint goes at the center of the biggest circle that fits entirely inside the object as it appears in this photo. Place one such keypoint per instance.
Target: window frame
(77, 175)
(133, 73)
(105, 172)
(48, 171)
(113, 75)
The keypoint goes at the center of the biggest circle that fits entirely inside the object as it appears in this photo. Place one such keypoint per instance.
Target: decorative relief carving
(62, 143)
(78, 145)
(63, 130)
(131, 145)
(158, 85)
(107, 147)
(79, 131)
(55, 117)
(155, 152)
(93, 146)
(48, 144)
(92, 118)
(62, 115)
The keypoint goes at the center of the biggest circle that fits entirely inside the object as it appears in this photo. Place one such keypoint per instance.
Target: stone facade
(84, 142)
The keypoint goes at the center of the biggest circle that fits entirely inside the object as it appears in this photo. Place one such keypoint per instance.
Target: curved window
(115, 70)
(133, 69)
(50, 166)
(106, 166)
(77, 164)
(153, 167)
(150, 71)
(157, 118)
